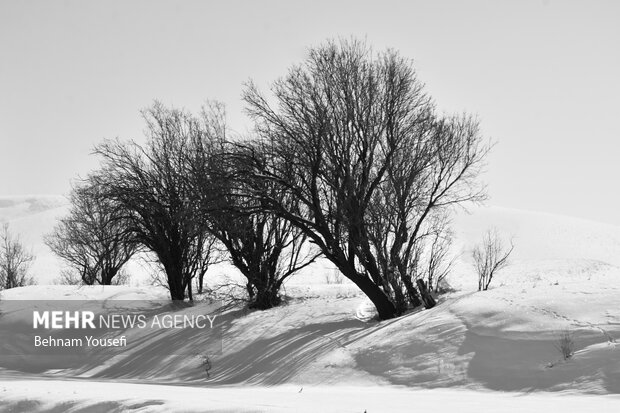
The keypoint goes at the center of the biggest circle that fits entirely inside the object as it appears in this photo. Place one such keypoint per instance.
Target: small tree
(15, 261)
(490, 257)
(94, 239)
(565, 344)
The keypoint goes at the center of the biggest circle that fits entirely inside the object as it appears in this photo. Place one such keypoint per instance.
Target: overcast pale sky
(543, 77)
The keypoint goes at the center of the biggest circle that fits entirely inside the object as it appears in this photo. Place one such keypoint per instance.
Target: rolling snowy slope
(323, 345)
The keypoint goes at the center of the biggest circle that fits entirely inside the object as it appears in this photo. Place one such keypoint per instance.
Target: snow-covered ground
(475, 351)
(107, 396)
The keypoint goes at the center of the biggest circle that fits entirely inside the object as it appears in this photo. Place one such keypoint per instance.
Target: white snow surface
(323, 351)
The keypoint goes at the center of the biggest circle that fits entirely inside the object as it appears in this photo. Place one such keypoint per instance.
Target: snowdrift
(564, 276)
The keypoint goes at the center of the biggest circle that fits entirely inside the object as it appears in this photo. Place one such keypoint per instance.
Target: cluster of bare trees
(94, 239)
(355, 139)
(15, 260)
(350, 160)
(176, 197)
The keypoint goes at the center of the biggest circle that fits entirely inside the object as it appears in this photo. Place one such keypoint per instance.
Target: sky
(542, 76)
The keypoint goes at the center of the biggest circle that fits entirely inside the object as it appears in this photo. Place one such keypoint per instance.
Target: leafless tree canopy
(179, 196)
(93, 239)
(151, 185)
(266, 248)
(15, 261)
(358, 143)
(433, 258)
(490, 257)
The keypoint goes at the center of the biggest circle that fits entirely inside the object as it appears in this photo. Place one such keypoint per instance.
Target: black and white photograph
(347, 206)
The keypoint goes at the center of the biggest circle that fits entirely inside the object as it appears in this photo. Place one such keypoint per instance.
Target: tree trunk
(177, 292)
(201, 278)
(250, 289)
(108, 276)
(414, 297)
(265, 299)
(190, 296)
(175, 283)
(266, 294)
(427, 298)
(384, 306)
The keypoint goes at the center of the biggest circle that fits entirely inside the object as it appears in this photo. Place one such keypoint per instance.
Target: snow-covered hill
(321, 347)
(31, 217)
(539, 237)
(315, 350)
(543, 236)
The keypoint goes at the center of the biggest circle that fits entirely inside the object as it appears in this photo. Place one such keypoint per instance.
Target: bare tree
(432, 258)
(93, 239)
(15, 261)
(439, 263)
(359, 145)
(565, 344)
(212, 255)
(490, 257)
(266, 248)
(151, 185)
